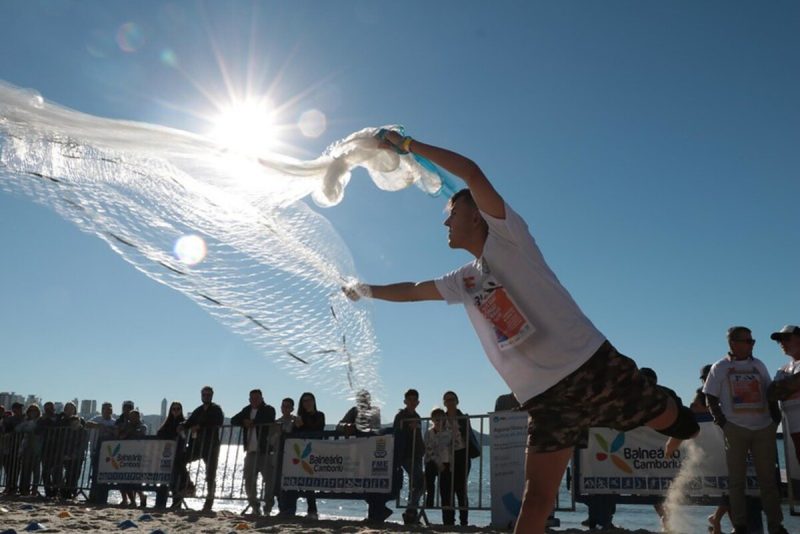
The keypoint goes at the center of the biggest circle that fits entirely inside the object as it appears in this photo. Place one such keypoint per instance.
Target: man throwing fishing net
(560, 367)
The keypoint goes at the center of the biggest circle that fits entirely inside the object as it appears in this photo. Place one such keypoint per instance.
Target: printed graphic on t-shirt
(747, 393)
(511, 327)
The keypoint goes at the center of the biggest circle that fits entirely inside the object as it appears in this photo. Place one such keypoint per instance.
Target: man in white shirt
(736, 394)
(786, 387)
(559, 366)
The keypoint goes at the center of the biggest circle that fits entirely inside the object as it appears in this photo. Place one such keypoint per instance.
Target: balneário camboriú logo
(301, 457)
(610, 451)
(112, 455)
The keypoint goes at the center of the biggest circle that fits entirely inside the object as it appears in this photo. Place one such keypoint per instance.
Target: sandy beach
(17, 515)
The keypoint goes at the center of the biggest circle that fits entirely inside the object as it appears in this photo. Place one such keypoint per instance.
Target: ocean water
(629, 516)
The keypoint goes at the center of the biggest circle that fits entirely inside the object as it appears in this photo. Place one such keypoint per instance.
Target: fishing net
(230, 231)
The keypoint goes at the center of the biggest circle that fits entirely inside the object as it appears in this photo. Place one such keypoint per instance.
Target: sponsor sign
(509, 431)
(634, 463)
(135, 462)
(356, 465)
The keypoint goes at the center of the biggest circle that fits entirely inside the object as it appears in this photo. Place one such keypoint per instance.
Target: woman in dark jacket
(309, 419)
(458, 423)
(170, 429)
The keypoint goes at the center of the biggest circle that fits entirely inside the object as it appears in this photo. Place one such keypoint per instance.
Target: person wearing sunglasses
(736, 394)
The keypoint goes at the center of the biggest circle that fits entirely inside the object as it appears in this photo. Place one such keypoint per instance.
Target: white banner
(356, 465)
(509, 431)
(135, 462)
(634, 463)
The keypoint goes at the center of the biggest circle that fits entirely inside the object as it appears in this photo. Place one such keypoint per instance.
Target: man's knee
(684, 426)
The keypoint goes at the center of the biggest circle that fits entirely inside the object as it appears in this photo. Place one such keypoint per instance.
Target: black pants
(445, 490)
(461, 467)
(287, 501)
(210, 457)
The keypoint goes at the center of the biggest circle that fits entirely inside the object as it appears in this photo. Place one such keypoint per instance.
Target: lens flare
(168, 57)
(130, 37)
(190, 249)
(312, 123)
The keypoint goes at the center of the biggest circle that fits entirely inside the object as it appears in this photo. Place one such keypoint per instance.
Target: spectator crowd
(47, 454)
(43, 453)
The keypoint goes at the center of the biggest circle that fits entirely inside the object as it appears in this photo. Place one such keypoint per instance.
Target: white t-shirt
(530, 328)
(790, 406)
(100, 420)
(741, 387)
(252, 438)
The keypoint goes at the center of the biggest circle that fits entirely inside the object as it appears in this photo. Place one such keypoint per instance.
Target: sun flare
(247, 126)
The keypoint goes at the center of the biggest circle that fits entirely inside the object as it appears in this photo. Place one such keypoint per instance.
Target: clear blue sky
(651, 146)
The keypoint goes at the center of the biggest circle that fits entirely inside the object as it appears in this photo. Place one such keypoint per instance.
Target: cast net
(229, 231)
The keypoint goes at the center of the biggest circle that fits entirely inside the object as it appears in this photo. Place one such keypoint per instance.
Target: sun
(247, 126)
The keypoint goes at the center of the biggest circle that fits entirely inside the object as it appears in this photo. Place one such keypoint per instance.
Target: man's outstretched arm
(400, 292)
(486, 197)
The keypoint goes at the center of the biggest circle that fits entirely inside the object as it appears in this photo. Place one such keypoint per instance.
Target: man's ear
(476, 217)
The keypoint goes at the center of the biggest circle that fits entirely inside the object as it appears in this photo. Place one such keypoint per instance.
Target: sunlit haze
(650, 146)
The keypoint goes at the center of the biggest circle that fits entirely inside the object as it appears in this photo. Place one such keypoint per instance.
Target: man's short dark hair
(735, 331)
(465, 193)
(289, 400)
(257, 392)
(17, 405)
(106, 404)
(207, 388)
(411, 393)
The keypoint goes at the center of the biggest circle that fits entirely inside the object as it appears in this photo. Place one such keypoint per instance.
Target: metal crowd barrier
(61, 463)
(50, 462)
(477, 482)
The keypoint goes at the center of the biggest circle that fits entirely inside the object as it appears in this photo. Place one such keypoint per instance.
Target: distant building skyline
(87, 408)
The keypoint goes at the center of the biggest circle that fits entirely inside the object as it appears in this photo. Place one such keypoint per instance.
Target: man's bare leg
(543, 473)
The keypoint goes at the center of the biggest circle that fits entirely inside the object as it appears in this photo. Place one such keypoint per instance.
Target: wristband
(406, 145)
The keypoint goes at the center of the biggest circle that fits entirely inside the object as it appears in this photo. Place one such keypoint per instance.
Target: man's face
(790, 345)
(255, 400)
(17, 410)
(741, 345)
(411, 402)
(49, 408)
(206, 395)
(286, 408)
(126, 408)
(461, 222)
(106, 411)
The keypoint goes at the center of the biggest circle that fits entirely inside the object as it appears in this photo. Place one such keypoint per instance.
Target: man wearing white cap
(786, 387)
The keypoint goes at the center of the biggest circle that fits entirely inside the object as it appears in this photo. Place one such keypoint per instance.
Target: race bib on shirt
(747, 391)
(511, 327)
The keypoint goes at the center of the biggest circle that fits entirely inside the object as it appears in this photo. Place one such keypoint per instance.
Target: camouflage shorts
(607, 390)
